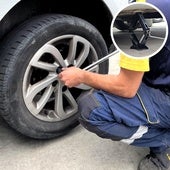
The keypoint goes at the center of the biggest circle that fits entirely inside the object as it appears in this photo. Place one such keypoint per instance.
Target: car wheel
(121, 25)
(32, 98)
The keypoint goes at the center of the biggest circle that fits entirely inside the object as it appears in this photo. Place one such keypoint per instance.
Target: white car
(37, 37)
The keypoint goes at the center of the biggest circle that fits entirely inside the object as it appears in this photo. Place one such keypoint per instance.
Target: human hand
(71, 76)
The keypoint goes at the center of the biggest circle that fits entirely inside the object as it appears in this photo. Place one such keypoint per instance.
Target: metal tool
(101, 60)
(59, 69)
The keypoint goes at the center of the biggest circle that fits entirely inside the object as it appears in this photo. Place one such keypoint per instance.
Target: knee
(86, 104)
(89, 113)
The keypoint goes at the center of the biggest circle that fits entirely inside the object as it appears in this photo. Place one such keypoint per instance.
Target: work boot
(156, 161)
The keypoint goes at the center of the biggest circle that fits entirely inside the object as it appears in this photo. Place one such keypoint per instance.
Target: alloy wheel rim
(45, 96)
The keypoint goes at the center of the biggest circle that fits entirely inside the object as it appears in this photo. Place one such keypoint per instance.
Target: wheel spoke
(59, 100)
(72, 50)
(59, 107)
(71, 101)
(84, 53)
(48, 48)
(45, 66)
(44, 99)
(57, 55)
(37, 87)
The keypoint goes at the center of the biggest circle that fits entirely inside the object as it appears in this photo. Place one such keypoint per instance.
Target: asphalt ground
(78, 150)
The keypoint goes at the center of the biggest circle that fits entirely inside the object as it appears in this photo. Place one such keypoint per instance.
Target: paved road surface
(78, 150)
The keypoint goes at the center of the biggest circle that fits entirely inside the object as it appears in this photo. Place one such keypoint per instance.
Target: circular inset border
(130, 6)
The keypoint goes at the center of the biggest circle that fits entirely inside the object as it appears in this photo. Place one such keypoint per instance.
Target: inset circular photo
(139, 30)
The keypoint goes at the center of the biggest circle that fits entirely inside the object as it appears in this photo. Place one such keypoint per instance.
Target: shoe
(157, 161)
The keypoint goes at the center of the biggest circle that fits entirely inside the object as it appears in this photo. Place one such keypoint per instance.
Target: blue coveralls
(143, 120)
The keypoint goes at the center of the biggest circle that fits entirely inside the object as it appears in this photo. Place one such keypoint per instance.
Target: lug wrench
(89, 67)
(100, 60)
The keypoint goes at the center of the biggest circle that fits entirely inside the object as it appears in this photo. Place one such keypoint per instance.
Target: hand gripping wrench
(89, 67)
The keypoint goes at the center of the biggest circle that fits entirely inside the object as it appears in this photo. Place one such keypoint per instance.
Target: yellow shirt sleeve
(134, 64)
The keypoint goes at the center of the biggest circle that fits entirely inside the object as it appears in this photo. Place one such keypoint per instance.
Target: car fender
(114, 6)
(6, 5)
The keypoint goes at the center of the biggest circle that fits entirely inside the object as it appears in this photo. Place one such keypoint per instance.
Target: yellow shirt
(134, 64)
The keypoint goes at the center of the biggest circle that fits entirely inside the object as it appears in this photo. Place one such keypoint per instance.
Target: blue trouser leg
(141, 121)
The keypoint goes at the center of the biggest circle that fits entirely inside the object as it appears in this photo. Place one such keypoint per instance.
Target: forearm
(125, 84)
(114, 84)
(101, 81)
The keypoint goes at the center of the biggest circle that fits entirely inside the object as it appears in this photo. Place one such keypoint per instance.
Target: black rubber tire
(15, 53)
(119, 24)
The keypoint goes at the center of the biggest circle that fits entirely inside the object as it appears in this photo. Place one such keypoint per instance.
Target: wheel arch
(96, 13)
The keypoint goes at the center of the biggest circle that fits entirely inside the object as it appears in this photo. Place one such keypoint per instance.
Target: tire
(121, 25)
(124, 25)
(33, 100)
